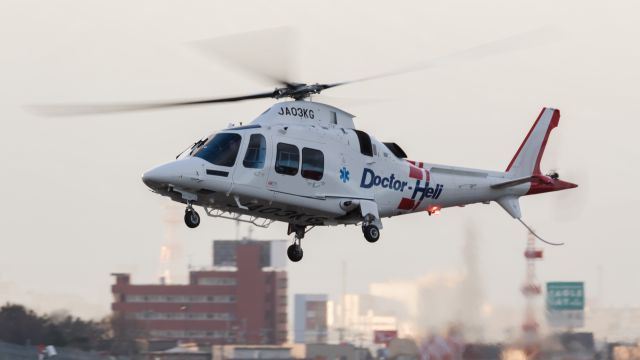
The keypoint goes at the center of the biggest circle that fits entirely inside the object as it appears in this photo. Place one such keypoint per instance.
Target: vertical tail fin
(525, 167)
(526, 162)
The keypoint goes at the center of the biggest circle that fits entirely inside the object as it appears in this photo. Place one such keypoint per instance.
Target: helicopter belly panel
(290, 210)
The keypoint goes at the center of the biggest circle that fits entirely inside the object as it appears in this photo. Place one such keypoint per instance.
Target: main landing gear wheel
(371, 233)
(294, 252)
(191, 218)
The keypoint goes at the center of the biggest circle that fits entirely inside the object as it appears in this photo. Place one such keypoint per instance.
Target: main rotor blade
(87, 109)
(509, 44)
(266, 53)
(273, 64)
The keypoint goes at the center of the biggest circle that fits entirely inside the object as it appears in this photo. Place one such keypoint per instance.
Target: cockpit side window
(222, 150)
(365, 143)
(256, 152)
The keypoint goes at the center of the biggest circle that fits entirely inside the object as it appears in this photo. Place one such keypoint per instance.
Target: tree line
(22, 326)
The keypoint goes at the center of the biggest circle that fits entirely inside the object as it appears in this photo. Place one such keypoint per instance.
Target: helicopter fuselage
(304, 163)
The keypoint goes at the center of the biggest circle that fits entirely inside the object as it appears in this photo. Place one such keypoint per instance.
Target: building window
(312, 164)
(287, 159)
(185, 299)
(216, 281)
(256, 152)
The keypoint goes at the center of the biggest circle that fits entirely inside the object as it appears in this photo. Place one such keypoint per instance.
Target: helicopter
(306, 164)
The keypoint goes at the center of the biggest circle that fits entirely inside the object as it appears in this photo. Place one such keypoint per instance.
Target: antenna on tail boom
(536, 235)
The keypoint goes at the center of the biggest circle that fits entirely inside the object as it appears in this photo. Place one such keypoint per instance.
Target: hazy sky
(74, 208)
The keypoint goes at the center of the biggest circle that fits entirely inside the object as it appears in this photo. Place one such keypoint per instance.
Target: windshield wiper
(193, 147)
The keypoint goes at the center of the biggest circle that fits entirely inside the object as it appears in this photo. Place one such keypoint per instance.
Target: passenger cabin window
(287, 159)
(312, 164)
(256, 152)
(221, 150)
(365, 143)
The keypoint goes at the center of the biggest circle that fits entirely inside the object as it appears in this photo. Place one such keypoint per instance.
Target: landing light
(433, 210)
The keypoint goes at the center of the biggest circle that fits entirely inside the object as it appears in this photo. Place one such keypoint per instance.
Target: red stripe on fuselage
(406, 204)
(418, 166)
(415, 173)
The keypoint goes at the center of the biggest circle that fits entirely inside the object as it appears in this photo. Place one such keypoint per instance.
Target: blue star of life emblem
(344, 174)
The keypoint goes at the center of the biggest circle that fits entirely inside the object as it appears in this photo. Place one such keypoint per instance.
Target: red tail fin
(525, 164)
(526, 161)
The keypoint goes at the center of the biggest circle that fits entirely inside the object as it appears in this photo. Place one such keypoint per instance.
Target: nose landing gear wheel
(191, 218)
(371, 233)
(294, 252)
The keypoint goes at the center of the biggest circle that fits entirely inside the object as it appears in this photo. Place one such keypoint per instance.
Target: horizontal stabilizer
(535, 179)
(539, 184)
(513, 182)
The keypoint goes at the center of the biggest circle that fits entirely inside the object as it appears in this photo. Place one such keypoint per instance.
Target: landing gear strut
(191, 217)
(294, 252)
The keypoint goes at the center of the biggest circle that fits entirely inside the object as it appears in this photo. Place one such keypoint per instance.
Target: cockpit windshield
(221, 150)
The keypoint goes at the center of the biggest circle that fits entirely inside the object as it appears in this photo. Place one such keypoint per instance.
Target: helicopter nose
(158, 176)
(165, 174)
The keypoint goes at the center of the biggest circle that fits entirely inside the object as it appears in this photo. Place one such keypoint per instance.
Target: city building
(336, 351)
(241, 304)
(361, 315)
(265, 352)
(310, 318)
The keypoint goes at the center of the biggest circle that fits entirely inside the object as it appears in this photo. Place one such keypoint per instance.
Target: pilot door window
(256, 152)
(312, 164)
(287, 159)
(222, 150)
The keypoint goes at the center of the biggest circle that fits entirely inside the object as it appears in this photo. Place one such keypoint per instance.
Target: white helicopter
(305, 163)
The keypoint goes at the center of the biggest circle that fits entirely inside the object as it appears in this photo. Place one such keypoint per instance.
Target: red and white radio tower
(531, 290)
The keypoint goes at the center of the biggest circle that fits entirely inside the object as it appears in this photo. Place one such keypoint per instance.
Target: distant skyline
(74, 208)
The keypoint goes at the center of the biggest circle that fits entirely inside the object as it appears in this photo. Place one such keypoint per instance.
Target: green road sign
(565, 296)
